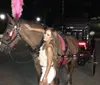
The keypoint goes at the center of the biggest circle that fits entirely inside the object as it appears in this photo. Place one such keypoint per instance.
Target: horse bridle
(31, 49)
(7, 43)
(16, 29)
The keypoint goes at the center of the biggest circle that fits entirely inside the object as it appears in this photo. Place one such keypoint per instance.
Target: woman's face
(47, 36)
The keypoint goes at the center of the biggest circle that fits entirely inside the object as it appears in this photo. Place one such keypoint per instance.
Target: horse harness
(65, 59)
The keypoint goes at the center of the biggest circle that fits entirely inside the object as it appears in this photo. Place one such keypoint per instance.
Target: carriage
(86, 42)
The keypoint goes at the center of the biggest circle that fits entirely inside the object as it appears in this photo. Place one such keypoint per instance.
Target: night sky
(72, 8)
(51, 10)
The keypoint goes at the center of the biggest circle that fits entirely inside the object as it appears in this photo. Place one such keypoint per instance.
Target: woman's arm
(49, 60)
(38, 29)
(35, 29)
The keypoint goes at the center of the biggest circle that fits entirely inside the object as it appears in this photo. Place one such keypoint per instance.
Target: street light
(2, 16)
(38, 19)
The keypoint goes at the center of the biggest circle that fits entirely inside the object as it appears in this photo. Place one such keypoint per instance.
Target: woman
(46, 57)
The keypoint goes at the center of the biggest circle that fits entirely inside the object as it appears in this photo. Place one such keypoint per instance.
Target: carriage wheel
(93, 62)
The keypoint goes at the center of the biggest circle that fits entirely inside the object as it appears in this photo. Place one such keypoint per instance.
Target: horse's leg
(71, 69)
(66, 66)
(38, 68)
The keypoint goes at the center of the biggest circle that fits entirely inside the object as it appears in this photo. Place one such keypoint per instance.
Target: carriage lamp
(92, 33)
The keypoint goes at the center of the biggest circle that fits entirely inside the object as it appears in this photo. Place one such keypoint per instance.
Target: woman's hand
(44, 81)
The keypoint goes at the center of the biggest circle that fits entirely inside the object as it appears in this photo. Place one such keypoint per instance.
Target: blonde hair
(53, 43)
(53, 36)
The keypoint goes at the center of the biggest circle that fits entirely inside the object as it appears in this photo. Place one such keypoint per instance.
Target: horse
(28, 32)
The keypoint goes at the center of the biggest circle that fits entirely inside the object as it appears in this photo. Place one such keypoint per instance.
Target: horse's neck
(38, 29)
(33, 38)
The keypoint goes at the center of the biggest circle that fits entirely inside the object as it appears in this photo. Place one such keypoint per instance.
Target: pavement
(15, 73)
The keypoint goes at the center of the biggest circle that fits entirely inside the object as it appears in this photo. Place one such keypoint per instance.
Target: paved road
(12, 73)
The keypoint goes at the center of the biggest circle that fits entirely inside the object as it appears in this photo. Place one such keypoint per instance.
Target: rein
(32, 49)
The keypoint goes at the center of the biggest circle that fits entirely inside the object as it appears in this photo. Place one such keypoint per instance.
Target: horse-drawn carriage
(27, 31)
(86, 42)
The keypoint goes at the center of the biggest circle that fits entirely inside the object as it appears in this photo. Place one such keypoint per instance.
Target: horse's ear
(10, 20)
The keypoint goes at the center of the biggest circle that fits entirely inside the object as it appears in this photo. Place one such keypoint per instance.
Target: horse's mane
(32, 24)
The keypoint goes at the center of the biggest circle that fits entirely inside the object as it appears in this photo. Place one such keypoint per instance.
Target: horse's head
(18, 30)
(10, 36)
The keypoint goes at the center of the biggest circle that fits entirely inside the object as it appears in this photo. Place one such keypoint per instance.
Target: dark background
(51, 10)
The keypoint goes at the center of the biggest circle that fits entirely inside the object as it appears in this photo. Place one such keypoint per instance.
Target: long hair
(53, 43)
(54, 36)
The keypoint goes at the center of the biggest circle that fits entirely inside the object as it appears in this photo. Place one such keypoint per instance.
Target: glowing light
(82, 44)
(2, 16)
(38, 19)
